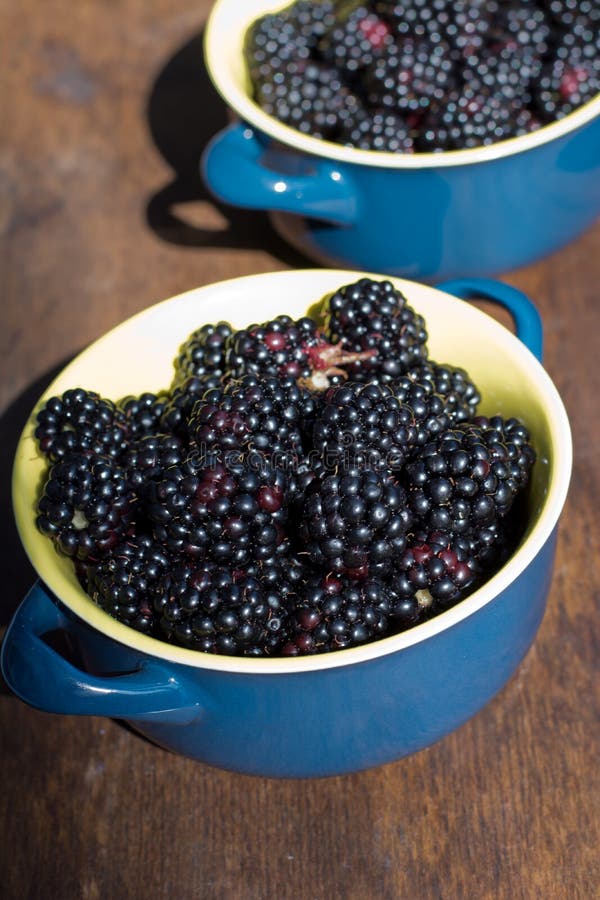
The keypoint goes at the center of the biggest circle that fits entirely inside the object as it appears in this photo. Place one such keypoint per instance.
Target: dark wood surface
(105, 110)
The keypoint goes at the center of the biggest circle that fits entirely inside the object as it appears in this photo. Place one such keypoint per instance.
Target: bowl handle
(40, 676)
(528, 322)
(242, 170)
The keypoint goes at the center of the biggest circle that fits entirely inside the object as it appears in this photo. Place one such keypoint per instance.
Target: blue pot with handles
(426, 216)
(317, 715)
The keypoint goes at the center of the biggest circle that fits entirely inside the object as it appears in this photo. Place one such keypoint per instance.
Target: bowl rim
(220, 30)
(82, 606)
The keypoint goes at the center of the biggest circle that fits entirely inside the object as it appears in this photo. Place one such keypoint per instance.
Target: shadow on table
(184, 112)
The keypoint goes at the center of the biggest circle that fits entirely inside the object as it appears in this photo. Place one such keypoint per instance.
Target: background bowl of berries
(301, 546)
(421, 138)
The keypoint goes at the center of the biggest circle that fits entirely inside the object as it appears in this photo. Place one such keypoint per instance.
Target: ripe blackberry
(377, 129)
(284, 347)
(271, 44)
(437, 569)
(311, 98)
(490, 106)
(215, 610)
(264, 414)
(86, 505)
(203, 353)
(567, 13)
(313, 20)
(430, 416)
(465, 479)
(356, 39)
(522, 28)
(230, 515)
(571, 77)
(364, 425)
(459, 393)
(178, 410)
(143, 413)
(124, 583)
(432, 19)
(148, 456)
(410, 77)
(373, 317)
(333, 613)
(354, 522)
(78, 421)
(514, 436)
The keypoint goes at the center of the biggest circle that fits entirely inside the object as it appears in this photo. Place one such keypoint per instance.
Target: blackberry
(376, 129)
(567, 13)
(215, 610)
(124, 583)
(438, 570)
(178, 410)
(373, 317)
(313, 20)
(311, 98)
(459, 393)
(364, 425)
(86, 505)
(354, 522)
(284, 347)
(514, 436)
(333, 613)
(230, 515)
(465, 479)
(148, 456)
(253, 414)
(143, 413)
(432, 19)
(78, 421)
(430, 415)
(571, 77)
(408, 79)
(356, 39)
(272, 43)
(522, 28)
(203, 353)
(490, 106)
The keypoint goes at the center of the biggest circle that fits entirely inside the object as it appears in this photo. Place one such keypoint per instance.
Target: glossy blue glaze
(306, 724)
(425, 224)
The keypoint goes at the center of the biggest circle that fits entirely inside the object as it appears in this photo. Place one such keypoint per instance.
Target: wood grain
(105, 111)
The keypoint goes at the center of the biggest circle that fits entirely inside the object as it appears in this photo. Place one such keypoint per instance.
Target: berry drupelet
(374, 318)
(86, 505)
(354, 522)
(80, 420)
(364, 425)
(124, 583)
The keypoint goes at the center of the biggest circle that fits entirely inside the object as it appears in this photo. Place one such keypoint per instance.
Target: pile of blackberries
(302, 486)
(424, 75)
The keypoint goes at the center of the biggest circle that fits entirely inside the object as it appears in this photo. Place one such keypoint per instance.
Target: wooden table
(106, 109)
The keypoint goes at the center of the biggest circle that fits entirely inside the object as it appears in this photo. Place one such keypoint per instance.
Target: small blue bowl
(427, 216)
(316, 715)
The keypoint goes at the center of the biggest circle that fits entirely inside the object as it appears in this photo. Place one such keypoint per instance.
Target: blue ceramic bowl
(426, 216)
(316, 715)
